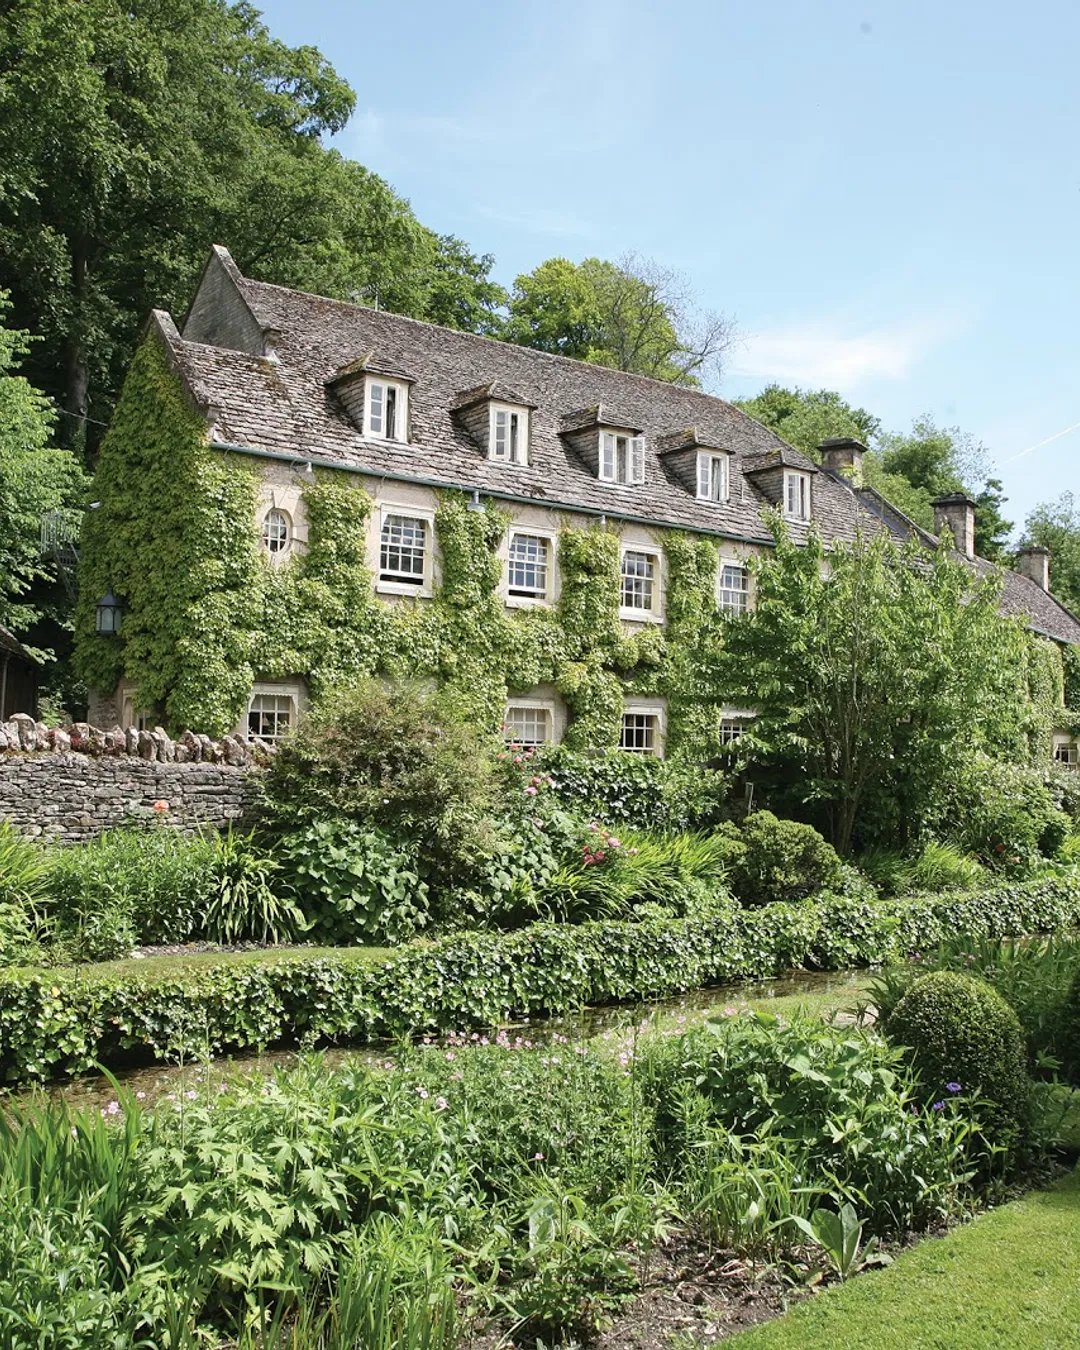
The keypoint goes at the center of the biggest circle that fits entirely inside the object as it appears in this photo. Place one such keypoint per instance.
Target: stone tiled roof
(282, 403)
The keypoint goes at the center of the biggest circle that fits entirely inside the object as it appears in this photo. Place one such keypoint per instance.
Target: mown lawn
(1007, 1281)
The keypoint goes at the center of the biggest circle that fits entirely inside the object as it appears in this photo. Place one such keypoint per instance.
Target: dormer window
(796, 495)
(712, 477)
(387, 410)
(509, 436)
(622, 458)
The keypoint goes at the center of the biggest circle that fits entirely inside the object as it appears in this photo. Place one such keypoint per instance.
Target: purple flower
(939, 1106)
(952, 1087)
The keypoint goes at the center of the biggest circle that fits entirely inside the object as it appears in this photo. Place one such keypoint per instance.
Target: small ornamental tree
(877, 670)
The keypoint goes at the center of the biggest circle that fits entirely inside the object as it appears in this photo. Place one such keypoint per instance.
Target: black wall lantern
(108, 614)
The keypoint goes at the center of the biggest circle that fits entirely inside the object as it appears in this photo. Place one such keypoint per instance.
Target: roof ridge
(500, 342)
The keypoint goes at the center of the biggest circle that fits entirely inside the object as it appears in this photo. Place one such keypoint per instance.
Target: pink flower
(441, 1103)
(161, 806)
(538, 1157)
(423, 1093)
(530, 792)
(140, 1096)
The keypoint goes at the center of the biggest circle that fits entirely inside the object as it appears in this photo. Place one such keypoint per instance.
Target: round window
(275, 531)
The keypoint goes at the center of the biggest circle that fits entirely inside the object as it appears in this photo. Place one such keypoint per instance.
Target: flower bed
(57, 1021)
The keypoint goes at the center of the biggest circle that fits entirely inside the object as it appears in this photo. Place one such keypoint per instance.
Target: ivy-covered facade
(295, 492)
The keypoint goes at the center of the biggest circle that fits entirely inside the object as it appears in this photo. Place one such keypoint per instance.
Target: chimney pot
(956, 512)
(843, 455)
(1034, 562)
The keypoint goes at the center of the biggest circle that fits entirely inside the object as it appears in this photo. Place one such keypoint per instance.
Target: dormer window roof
(375, 394)
(783, 477)
(701, 465)
(498, 419)
(614, 451)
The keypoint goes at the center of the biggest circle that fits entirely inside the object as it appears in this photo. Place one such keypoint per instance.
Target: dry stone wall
(70, 784)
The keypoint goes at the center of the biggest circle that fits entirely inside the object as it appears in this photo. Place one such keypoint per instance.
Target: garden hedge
(59, 1021)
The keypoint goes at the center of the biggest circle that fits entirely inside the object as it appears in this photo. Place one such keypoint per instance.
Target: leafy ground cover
(1006, 1279)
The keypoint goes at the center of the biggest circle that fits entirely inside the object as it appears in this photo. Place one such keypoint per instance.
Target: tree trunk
(76, 370)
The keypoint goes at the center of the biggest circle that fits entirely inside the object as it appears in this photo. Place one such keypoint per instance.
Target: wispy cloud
(843, 356)
(539, 220)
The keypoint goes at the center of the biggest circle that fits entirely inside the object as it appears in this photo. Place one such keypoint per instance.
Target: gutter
(487, 492)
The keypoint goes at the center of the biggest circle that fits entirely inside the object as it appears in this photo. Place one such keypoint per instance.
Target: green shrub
(141, 885)
(1070, 1033)
(1007, 815)
(351, 883)
(614, 874)
(1034, 978)
(752, 1078)
(965, 1039)
(244, 906)
(396, 759)
(23, 869)
(772, 860)
(939, 867)
(64, 1021)
(635, 791)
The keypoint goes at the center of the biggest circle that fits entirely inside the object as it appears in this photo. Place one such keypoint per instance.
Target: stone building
(295, 388)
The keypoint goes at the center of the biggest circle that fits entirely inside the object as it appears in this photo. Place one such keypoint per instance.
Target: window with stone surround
(270, 716)
(639, 584)
(387, 410)
(276, 531)
(528, 566)
(712, 477)
(403, 550)
(734, 588)
(527, 724)
(509, 435)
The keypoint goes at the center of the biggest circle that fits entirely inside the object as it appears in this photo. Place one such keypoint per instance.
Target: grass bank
(1007, 1279)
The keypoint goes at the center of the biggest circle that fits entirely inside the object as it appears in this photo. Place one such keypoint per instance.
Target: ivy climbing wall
(207, 614)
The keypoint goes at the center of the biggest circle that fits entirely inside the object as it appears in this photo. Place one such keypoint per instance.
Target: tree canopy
(629, 315)
(33, 479)
(1056, 525)
(135, 133)
(877, 669)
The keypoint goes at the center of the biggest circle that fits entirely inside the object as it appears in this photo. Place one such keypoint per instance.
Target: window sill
(796, 520)
(527, 602)
(639, 615)
(403, 588)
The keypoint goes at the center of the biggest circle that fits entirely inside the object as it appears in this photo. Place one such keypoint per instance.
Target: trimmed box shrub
(964, 1037)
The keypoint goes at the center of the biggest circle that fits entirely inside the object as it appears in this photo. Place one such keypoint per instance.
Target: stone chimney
(843, 455)
(956, 512)
(1034, 562)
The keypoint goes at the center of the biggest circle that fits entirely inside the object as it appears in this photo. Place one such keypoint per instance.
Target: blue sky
(886, 196)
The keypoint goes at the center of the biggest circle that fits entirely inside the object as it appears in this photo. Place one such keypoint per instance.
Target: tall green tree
(805, 418)
(877, 670)
(135, 133)
(33, 479)
(631, 315)
(1056, 525)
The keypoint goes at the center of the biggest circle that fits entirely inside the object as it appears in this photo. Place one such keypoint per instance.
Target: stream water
(152, 1083)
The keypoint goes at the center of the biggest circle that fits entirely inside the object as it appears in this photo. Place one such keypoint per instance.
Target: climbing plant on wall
(206, 613)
